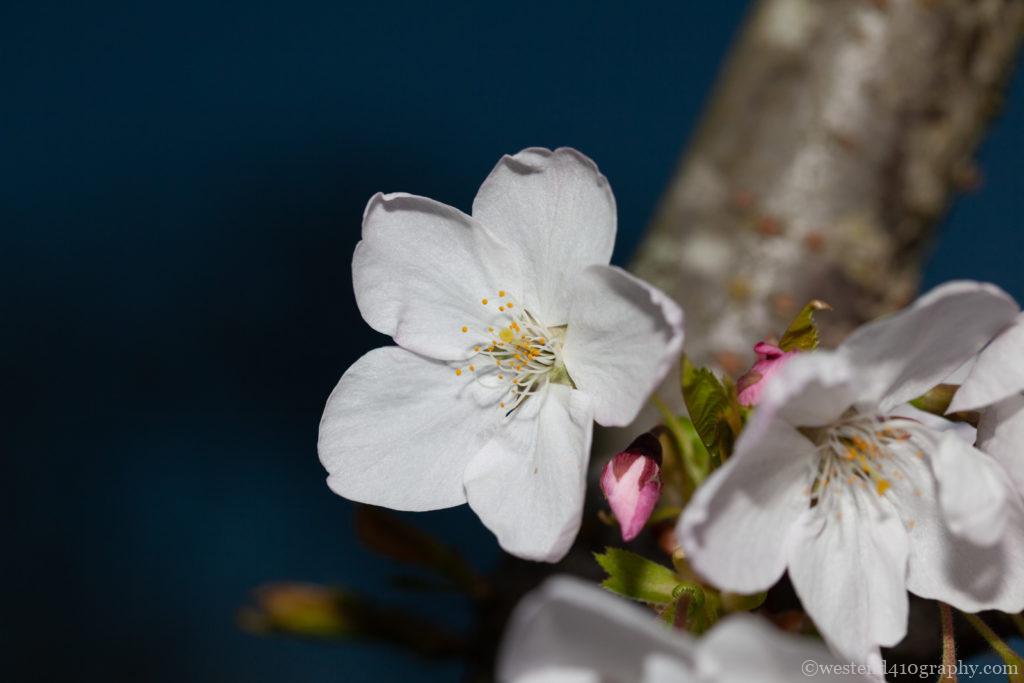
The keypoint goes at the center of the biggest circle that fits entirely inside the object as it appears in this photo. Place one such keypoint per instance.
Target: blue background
(181, 186)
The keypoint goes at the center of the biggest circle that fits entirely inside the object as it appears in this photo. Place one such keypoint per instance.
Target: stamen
(863, 451)
(521, 355)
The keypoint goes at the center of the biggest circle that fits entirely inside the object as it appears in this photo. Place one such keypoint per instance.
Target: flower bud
(770, 359)
(631, 484)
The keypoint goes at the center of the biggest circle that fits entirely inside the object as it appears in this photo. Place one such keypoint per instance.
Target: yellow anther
(501, 292)
(483, 301)
(490, 329)
(500, 376)
(476, 349)
(509, 304)
(465, 329)
(501, 308)
(458, 372)
(882, 485)
(506, 334)
(472, 368)
(541, 341)
(501, 405)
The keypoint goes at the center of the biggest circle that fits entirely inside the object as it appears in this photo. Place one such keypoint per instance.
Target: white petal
(1001, 435)
(665, 669)
(735, 527)
(571, 625)
(811, 390)
(848, 566)
(935, 423)
(944, 566)
(527, 482)
(622, 337)
(556, 213)
(998, 373)
(399, 429)
(901, 356)
(743, 648)
(971, 487)
(421, 272)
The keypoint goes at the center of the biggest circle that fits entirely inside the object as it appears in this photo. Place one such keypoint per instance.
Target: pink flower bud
(631, 485)
(770, 359)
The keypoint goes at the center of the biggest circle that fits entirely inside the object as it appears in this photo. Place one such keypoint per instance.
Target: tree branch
(833, 143)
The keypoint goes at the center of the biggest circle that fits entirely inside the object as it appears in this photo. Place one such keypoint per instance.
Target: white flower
(995, 383)
(860, 498)
(513, 336)
(570, 631)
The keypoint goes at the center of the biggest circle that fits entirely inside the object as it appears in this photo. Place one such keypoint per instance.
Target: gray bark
(838, 132)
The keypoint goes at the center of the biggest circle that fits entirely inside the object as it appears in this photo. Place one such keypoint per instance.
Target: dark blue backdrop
(181, 186)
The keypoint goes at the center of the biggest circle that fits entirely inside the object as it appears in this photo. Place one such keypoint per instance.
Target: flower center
(516, 353)
(863, 451)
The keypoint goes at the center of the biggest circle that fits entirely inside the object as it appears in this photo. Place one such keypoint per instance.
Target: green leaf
(688, 445)
(802, 333)
(713, 409)
(637, 578)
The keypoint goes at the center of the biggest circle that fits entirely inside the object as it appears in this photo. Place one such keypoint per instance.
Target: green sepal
(737, 602)
(936, 400)
(802, 333)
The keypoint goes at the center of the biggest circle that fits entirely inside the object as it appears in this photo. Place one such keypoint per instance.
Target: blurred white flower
(513, 336)
(570, 631)
(858, 496)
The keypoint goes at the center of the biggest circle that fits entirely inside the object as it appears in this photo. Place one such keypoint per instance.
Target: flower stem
(948, 645)
(1013, 661)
